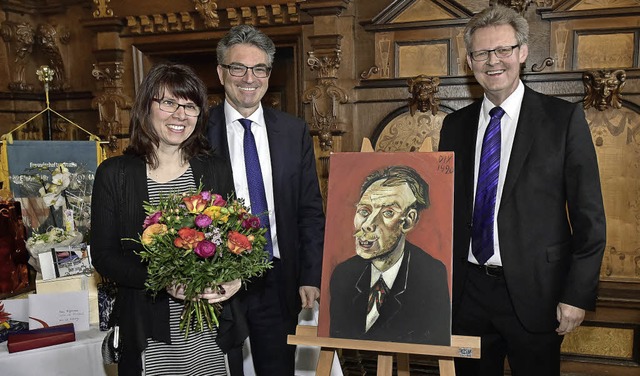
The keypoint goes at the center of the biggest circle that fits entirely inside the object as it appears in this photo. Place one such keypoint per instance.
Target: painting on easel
(388, 248)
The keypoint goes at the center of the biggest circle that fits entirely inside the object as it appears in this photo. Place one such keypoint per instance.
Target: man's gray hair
(494, 16)
(245, 34)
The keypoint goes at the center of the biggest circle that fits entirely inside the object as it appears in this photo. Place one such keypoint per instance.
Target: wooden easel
(461, 346)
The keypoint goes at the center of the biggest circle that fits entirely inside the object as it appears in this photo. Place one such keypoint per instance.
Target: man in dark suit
(295, 217)
(391, 290)
(528, 248)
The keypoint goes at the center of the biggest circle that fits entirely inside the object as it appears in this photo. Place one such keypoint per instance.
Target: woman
(167, 152)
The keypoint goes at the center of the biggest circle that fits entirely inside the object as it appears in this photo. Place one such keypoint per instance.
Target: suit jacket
(551, 221)
(296, 192)
(418, 309)
(117, 216)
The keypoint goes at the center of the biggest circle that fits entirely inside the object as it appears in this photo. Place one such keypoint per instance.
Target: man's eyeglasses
(501, 53)
(239, 70)
(170, 106)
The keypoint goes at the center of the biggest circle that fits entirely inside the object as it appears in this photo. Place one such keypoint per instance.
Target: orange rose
(153, 230)
(188, 238)
(237, 243)
(195, 204)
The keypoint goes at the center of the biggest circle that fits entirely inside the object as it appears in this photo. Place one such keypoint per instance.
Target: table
(79, 358)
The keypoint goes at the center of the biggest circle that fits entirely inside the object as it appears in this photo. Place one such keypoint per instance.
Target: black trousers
(269, 325)
(486, 310)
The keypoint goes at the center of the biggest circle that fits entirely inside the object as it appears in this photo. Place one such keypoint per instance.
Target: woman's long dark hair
(181, 81)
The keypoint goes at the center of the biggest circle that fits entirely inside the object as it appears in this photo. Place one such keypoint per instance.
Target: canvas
(389, 218)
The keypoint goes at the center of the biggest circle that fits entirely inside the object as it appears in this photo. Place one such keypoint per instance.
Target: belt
(490, 270)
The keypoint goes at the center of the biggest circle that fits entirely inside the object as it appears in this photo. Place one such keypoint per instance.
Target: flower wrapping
(199, 240)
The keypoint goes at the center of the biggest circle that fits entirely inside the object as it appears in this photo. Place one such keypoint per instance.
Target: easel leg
(325, 361)
(403, 364)
(385, 365)
(447, 367)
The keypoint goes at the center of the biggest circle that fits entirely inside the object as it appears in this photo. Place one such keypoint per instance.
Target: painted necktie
(378, 292)
(257, 194)
(487, 187)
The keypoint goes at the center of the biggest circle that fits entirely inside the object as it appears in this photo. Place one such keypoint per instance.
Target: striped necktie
(487, 187)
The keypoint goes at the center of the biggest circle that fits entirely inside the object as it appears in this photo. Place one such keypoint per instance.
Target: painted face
(172, 128)
(244, 93)
(382, 217)
(498, 76)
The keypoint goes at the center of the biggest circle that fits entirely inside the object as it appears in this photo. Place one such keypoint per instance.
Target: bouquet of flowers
(200, 240)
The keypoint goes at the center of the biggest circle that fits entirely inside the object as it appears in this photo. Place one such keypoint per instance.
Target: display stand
(461, 346)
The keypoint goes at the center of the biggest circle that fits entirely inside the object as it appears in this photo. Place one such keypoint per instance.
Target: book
(36, 338)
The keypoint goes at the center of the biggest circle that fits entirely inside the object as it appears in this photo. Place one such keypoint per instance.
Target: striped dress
(199, 354)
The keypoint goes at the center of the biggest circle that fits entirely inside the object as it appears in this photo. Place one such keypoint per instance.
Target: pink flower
(218, 200)
(152, 219)
(203, 220)
(251, 222)
(206, 195)
(188, 238)
(205, 249)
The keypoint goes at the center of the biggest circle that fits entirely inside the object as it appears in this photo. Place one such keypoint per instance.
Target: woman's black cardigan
(117, 214)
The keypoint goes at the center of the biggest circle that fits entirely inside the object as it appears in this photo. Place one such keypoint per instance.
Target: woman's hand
(221, 293)
(177, 291)
(213, 295)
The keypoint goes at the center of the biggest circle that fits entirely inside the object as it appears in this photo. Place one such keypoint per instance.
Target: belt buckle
(492, 270)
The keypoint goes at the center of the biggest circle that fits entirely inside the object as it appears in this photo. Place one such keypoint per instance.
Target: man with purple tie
(529, 223)
(274, 171)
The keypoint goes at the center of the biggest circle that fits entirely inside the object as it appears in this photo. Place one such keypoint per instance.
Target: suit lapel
(525, 134)
(277, 147)
(466, 154)
(218, 131)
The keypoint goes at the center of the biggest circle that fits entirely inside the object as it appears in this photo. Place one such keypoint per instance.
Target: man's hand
(309, 294)
(570, 317)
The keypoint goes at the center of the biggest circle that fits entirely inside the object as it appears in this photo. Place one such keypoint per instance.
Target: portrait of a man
(389, 288)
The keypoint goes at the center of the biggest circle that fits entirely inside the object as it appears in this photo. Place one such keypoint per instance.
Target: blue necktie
(485, 202)
(254, 180)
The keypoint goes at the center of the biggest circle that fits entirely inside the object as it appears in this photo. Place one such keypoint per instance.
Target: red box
(36, 338)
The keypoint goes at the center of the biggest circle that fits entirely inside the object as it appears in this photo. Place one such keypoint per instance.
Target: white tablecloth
(79, 358)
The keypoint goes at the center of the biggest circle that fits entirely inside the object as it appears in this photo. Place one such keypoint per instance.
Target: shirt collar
(511, 105)
(232, 115)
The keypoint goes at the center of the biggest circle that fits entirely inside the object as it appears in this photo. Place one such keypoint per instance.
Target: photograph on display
(388, 248)
(52, 180)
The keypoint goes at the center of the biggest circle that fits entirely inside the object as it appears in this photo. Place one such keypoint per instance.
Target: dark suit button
(469, 225)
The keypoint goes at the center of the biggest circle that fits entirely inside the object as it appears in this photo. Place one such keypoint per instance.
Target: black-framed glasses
(501, 53)
(239, 70)
(167, 105)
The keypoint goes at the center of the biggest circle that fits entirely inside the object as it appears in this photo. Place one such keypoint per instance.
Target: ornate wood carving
(519, 6)
(326, 95)
(603, 88)
(46, 40)
(20, 38)
(111, 102)
(160, 23)
(102, 9)
(208, 11)
(547, 62)
(423, 89)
